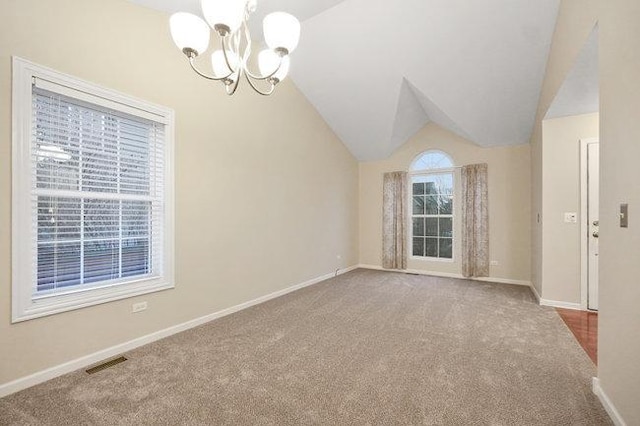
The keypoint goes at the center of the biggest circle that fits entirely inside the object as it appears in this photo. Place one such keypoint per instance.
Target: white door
(593, 226)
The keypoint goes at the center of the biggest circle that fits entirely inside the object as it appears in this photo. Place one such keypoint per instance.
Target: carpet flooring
(367, 347)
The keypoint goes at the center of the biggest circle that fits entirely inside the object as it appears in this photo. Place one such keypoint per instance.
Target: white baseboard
(449, 275)
(606, 403)
(502, 281)
(534, 290)
(555, 303)
(560, 304)
(82, 362)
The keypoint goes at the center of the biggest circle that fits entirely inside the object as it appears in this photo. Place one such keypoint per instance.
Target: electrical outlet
(494, 263)
(138, 307)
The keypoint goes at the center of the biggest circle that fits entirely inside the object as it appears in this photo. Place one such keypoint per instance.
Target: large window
(92, 194)
(432, 206)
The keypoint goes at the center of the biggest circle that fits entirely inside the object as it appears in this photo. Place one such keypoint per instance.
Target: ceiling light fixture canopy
(229, 20)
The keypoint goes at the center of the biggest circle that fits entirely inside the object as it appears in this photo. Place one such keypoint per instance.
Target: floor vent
(106, 365)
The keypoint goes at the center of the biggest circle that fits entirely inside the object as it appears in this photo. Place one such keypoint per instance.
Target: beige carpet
(367, 347)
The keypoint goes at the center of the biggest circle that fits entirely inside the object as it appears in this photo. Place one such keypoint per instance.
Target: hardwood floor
(583, 325)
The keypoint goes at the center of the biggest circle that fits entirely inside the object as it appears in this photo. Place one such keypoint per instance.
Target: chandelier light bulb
(268, 62)
(281, 31)
(224, 14)
(219, 65)
(189, 31)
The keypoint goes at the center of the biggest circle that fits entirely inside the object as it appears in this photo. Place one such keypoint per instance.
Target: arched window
(431, 160)
(432, 205)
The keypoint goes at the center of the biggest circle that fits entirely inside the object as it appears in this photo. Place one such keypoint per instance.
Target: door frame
(584, 226)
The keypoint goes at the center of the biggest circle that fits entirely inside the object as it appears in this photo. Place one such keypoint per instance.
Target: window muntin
(92, 194)
(432, 203)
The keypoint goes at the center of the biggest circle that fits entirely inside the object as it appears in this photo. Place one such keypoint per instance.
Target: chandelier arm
(226, 56)
(208, 77)
(247, 35)
(231, 90)
(254, 87)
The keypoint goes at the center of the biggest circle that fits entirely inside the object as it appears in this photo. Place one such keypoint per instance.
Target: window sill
(67, 302)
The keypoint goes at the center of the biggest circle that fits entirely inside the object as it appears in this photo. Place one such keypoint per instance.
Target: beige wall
(619, 67)
(619, 324)
(509, 200)
(266, 195)
(576, 19)
(561, 183)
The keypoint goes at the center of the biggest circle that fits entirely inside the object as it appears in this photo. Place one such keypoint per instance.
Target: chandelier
(229, 20)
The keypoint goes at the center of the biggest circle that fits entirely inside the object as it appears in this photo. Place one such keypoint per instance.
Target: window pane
(58, 265)
(101, 219)
(56, 144)
(418, 246)
(135, 257)
(445, 227)
(101, 261)
(134, 158)
(431, 188)
(418, 226)
(418, 188)
(53, 173)
(99, 151)
(436, 183)
(431, 204)
(418, 204)
(136, 216)
(446, 205)
(445, 183)
(428, 181)
(431, 227)
(432, 247)
(58, 219)
(446, 251)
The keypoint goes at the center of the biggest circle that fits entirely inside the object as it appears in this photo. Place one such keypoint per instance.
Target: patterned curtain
(394, 218)
(475, 221)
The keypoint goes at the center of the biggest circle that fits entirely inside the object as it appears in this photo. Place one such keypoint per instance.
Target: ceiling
(378, 71)
(579, 93)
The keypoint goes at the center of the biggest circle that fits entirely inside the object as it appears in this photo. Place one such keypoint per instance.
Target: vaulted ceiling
(378, 71)
(580, 91)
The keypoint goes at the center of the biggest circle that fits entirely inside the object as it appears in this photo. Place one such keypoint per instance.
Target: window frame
(25, 303)
(431, 172)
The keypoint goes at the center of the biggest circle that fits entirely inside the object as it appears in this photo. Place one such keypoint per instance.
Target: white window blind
(92, 194)
(97, 194)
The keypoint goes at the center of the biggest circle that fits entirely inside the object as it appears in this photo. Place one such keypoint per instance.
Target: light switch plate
(624, 215)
